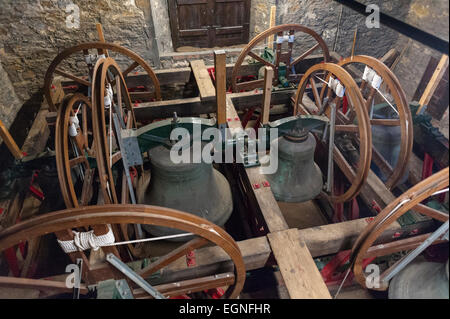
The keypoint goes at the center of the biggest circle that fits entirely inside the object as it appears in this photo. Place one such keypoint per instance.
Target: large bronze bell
(297, 178)
(421, 280)
(195, 188)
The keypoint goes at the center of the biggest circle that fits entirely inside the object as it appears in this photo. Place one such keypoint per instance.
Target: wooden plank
(271, 211)
(204, 82)
(272, 17)
(39, 133)
(39, 284)
(221, 86)
(268, 76)
(432, 85)
(332, 238)
(300, 273)
(266, 201)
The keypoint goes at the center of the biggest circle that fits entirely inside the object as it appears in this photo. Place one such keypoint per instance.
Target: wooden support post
(267, 94)
(9, 141)
(204, 83)
(432, 85)
(272, 22)
(221, 86)
(101, 37)
(354, 42)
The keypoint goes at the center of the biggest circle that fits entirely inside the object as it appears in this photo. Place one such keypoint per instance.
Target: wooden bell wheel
(322, 103)
(107, 74)
(115, 188)
(73, 145)
(204, 232)
(402, 119)
(280, 56)
(66, 57)
(410, 200)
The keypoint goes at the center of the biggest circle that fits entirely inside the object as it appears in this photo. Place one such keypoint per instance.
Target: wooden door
(209, 23)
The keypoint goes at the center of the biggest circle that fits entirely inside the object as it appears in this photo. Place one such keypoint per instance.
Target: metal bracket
(127, 271)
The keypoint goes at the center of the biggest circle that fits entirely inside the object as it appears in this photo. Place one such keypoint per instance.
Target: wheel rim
(354, 96)
(388, 215)
(405, 117)
(292, 28)
(129, 214)
(137, 61)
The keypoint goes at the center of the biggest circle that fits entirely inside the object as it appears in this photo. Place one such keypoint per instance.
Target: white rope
(74, 123)
(86, 240)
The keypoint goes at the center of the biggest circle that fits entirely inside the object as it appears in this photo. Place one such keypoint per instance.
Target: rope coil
(87, 240)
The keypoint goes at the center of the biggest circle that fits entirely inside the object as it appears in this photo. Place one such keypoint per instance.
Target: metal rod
(76, 287)
(331, 147)
(408, 258)
(127, 271)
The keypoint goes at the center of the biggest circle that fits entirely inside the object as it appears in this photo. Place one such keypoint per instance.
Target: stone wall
(9, 103)
(430, 16)
(323, 17)
(32, 32)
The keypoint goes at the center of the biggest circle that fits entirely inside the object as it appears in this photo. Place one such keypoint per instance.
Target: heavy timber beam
(195, 106)
(183, 75)
(299, 272)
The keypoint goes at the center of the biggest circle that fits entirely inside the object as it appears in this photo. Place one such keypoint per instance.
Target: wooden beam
(267, 94)
(272, 22)
(432, 85)
(300, 273)
(221, 86)
(38, 284)
(9, 141)
(195, 106)
(204, 82)
(271, 211)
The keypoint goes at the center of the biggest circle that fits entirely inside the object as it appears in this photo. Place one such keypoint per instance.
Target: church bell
(196, 188)
(421, 280)
(298, 178)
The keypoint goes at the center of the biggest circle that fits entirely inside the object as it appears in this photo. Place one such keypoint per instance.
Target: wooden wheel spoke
(431, 212)
(130, 68)
(72, 77)
(369, 99)
(77, 160)
(116, 157)
(315, 93)
(258, 58)
(347, 128)
(386, 122)
(395, 246)
(189, 286)
(87, 190)
(304, 55)
(172, 256)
